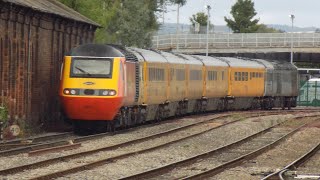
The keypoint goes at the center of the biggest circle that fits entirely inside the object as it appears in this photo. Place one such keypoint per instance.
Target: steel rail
(31, 147)
(128, 143)
(164, 169)
(24, 148)
(235, 162)
(34, 139)
(119, 157)
(295, 164)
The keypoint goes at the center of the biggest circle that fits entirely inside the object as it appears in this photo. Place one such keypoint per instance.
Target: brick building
(34, 37)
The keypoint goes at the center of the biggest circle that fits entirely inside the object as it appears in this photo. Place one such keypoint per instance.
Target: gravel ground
(181, 150)
(22, 159)
(88, 159)
(138, 163)
(277, 158)
(311, 167)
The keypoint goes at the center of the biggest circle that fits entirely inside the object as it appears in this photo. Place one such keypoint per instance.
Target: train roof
(191, 60)
(150, 56)
(212, 61)
(244, 63)
(96, 50)
(172, 58)
(278, 65)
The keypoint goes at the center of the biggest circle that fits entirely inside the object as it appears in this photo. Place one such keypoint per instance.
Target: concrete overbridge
(306, 46)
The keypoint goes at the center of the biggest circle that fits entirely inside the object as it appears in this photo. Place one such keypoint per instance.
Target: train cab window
(91, 68)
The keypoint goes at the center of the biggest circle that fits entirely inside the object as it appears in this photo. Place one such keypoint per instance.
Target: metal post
(307, 93)
(291, 54)
(315, 93)
(208, 24)
(177, 38)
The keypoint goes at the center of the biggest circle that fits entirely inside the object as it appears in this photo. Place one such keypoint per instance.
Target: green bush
(3, 114)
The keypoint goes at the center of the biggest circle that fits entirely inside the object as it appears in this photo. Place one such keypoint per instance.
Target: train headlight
(66, 91)
(112, 93)
(105, 93)
(71, 91)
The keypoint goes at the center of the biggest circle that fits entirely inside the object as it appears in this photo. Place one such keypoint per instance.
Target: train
(110, 86)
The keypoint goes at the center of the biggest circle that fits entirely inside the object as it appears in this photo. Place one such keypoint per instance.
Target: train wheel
(80, 128)
(283, 103)
(111, 126)
(289, 104)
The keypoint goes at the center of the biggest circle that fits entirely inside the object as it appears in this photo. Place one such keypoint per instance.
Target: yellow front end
(88, 97)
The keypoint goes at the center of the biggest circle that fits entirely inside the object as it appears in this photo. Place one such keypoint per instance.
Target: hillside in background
(170, 28)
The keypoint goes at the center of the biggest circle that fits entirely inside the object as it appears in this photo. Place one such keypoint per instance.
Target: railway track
(280, 174)
(51, 141)
(29, 143)
(121, 145)
(14, 147)
(215, 161)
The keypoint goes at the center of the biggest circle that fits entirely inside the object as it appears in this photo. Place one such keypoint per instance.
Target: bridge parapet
(250, 42)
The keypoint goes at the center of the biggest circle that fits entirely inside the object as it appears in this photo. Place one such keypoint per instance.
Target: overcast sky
(307, 12)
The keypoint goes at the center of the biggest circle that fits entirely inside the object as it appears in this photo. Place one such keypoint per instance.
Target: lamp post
(291, 54)
(208, 7)
(178, 24)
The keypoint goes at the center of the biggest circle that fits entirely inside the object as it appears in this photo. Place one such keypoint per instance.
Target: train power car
(109, 85)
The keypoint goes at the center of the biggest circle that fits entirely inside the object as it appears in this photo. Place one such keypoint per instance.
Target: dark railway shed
(34, 37)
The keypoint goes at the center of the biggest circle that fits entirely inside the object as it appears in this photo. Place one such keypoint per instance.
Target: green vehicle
(310, 93)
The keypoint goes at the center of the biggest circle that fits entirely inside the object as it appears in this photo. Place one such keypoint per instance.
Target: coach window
(222, 75)
(171, 74)
(180, 75)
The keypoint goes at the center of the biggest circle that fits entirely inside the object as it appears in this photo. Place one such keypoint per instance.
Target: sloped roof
(53, 7)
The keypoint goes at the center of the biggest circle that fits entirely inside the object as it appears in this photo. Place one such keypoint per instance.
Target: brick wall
(32, 46)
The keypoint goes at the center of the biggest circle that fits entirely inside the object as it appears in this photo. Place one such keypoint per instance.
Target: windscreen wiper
(83, 71)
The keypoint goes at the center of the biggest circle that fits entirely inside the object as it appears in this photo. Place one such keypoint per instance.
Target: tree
(135, 22)
(128, 22)
(179, 2)
(200, 18)
(265, 29)
(243, 13)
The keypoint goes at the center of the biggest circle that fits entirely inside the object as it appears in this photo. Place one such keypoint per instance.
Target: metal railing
(241, 40)
(309, 94)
